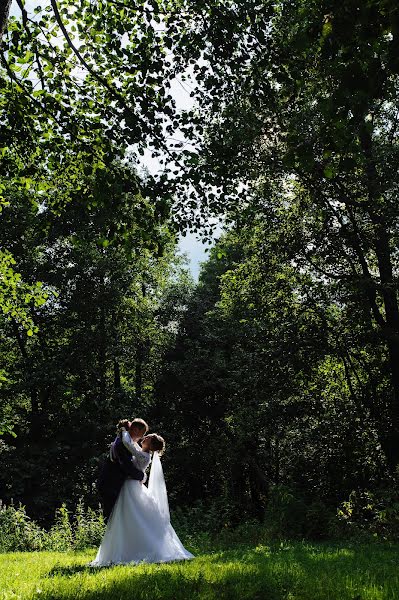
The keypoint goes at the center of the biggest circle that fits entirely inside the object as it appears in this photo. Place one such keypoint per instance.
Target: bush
(60, 536)
(214, 526)
(19, 533)
(89, 527)
(290, 515)
(202, 522)
(370, 513)
(285, 513)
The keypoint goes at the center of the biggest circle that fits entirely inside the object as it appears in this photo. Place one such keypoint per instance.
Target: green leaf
(329, 171)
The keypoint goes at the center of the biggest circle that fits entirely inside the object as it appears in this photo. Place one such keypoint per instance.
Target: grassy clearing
(289, 571)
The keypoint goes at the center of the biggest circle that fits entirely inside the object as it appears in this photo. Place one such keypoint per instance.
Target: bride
(139, 528)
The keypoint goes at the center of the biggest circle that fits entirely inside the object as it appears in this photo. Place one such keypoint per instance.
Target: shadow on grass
(68, 571)
(295, 571)
(164, 584)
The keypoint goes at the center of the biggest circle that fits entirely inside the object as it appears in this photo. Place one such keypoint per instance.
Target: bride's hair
(157, 443)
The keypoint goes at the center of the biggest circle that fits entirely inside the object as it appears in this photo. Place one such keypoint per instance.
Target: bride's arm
(127, 441)
(142, 459)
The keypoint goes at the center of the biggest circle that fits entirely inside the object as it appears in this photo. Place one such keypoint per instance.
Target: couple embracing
(138, 527)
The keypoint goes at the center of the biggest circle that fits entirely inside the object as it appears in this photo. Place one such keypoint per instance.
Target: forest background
(275, 377)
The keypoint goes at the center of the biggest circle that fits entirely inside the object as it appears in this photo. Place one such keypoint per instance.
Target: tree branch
(4, 14)
(114, 94)
(24, 13)
(18, 337)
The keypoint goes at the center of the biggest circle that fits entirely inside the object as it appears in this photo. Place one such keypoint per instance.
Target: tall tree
(272, 380)
(80, 83)
(66, 384)
(307, 92)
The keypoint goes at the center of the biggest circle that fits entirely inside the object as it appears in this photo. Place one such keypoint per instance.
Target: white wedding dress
(139, 528)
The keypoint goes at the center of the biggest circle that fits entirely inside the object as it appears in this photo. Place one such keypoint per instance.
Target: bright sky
(191, 243)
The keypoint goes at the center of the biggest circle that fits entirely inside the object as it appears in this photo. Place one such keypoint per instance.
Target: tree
(67, 384)
(286, 93)
(271, 381)
(4, 12)
(65, 104)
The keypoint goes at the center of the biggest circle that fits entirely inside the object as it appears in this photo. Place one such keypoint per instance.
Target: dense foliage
(275, 379)
(97, 336)
(294, 103)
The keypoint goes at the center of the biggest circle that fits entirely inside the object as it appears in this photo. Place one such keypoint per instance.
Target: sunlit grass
(290, 571)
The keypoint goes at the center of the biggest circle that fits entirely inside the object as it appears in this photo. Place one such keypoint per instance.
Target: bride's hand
(123, 425)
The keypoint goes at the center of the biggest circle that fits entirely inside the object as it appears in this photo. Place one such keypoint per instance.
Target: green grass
(287, 571)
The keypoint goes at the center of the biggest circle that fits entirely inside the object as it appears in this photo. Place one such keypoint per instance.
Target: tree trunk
(238, 485)
(388, 288)
(35, 428)
(138, 384)
(117, 376)
(140, 354)
(259, 487)
(392, 340)
(102, 358)
(5, 6)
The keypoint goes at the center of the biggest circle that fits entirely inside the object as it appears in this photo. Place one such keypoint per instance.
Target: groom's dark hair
(122, 423)
(140, 424)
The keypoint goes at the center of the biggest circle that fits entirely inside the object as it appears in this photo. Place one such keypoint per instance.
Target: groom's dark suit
(117, 467)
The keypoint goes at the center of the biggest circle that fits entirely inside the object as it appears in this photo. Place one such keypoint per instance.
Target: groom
(118, 466)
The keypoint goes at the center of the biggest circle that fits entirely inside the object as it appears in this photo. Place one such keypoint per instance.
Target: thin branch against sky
(191, 243)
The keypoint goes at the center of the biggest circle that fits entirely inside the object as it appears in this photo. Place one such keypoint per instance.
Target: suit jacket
(123, 458)
(117, 467)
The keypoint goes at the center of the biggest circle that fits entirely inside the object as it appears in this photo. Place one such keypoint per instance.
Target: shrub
(290, 515)
(285, 515)
(60, 536)
(89, 527)
(202, 520)
(18, 532)
(366, 512)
